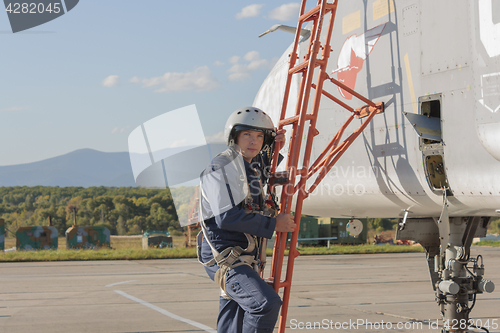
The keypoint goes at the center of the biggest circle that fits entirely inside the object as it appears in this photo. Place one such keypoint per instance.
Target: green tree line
(124, 210)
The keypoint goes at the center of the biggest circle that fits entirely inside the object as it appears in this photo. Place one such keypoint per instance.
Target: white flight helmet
(249, 118)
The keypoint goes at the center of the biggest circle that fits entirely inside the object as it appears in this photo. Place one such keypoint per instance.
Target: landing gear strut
(456, 277)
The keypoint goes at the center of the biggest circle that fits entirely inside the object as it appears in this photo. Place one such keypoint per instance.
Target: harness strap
(221, 274)
(228, 256)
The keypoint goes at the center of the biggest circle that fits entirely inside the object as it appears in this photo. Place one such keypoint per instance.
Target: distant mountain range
(83, 167)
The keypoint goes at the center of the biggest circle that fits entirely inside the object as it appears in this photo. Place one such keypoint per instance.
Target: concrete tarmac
(347, 293)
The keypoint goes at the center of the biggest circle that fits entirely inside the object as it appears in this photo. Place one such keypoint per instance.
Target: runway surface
(337, 293)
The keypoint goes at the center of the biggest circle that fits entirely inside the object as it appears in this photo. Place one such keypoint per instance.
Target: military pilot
(236, 215)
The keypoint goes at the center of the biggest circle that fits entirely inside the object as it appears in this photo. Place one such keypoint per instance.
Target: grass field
(122, 248)
(130, 248)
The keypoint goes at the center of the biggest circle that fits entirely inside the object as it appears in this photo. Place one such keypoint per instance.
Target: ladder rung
(283, 284)
(299, 67)
(319, 62)
(315, 11)
(291, 120)
(367, 109)
(310, 13)
(302, 66)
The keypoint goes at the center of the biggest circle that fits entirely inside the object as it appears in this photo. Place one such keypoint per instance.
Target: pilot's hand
(285, 223)
(280, 138)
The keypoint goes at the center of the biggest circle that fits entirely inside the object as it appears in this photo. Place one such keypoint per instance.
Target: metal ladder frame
(330, 154)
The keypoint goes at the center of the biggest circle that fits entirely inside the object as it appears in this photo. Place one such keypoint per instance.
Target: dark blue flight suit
(254, 305)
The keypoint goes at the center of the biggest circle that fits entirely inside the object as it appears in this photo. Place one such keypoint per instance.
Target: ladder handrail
(332, 152)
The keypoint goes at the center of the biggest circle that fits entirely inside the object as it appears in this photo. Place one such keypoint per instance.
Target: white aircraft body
(440, 57)
(432, 157)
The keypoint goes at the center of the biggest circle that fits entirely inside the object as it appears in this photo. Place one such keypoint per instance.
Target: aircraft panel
(438, 22)
(400, 54)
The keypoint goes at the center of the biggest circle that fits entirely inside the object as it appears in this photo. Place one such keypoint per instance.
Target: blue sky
(89, 77)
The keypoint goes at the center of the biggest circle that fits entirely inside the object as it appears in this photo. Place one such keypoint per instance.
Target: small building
(488, 237)
(308, 230)
(87, 237)
(346, 231)
(36, 238)
(159, 239)
(326, 230)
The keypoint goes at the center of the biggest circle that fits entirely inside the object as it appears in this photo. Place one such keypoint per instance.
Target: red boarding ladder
(313, 60)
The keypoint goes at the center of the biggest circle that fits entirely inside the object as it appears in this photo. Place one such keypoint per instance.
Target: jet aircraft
(432, 158)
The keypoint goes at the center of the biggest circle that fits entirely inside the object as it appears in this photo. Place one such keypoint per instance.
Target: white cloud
(249, 11)
(242, 71)
(201, 79)
(234, 59)
(216, 138)
(135, 79)
(111, 81)
(238, 72)
(285, 12)
(238, 76)
(257, 64)
(218, 63)
(115, 130)
(252, 55)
